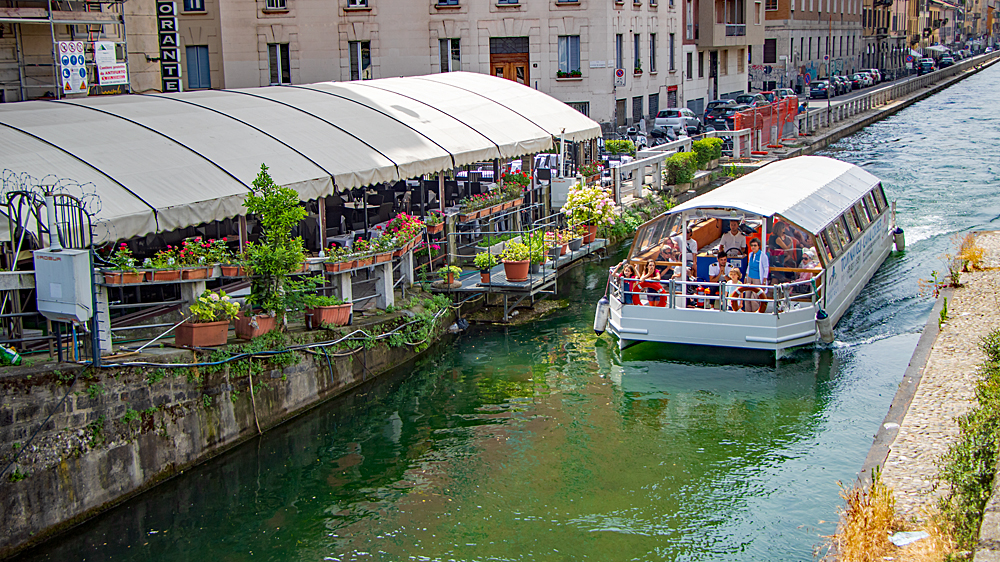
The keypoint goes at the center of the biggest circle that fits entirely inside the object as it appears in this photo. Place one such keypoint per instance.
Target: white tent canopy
(166, 161)
(810, 191)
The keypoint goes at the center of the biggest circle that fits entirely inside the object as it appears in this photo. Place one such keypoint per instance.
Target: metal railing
(707, 295)
(736, 29)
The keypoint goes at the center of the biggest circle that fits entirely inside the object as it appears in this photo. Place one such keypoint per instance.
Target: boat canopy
(810, 191)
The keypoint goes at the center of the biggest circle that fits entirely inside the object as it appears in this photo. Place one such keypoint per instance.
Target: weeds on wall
(867, 520)
(970, 465)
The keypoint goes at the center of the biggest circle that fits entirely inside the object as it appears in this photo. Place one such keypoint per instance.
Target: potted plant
(217, 253)
(537, 252)
(212, 313)
(681, 168)
(163, 266)
(326, 311)
(124, 270)
(449, 272)
(338, 259)
(364, 249)
(590, 205)
(435, 223)
(515, 261)
(274, 257)
(485, 261)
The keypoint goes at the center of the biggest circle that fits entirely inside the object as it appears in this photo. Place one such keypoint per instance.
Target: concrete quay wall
(105, 436)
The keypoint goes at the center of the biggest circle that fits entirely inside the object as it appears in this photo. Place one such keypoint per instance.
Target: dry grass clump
(938, 547)
(866, 522)
(970, 254)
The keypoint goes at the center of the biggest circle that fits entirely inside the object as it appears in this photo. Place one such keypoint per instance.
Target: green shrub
(969, 466)
(620, 147)
(716, 144)
(681, 167)
(703, 152)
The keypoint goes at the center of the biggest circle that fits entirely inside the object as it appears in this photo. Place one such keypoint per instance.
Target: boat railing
(695, 294)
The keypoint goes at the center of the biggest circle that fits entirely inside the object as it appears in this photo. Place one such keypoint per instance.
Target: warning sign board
(112, 74)
(72, 67)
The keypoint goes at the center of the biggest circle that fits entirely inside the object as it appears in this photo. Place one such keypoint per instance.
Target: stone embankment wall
(106, 435)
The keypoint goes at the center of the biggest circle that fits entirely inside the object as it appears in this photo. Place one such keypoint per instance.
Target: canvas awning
(160, 162)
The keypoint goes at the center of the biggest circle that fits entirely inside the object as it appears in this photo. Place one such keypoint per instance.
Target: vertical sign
(72, 67)
(170, 60)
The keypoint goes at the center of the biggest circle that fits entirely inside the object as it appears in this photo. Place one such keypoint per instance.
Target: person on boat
(734, 242)
(757, 270)
(718, 272)
(781, 243)
(733, 299)
(629, 288)
(650, 279)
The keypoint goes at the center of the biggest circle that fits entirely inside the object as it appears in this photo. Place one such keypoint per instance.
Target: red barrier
(766, 123)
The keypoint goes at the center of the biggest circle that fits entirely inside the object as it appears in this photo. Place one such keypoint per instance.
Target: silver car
(679, 119)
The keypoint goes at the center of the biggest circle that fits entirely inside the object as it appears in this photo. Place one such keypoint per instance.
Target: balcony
(730, 28)
(881, 32)
(736, 29)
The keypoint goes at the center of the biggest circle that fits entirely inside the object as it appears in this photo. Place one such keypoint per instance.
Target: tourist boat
(827, 227)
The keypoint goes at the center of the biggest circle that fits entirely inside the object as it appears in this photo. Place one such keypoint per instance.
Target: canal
(543, 442)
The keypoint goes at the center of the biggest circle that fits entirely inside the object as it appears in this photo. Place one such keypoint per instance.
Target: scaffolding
(34, 71)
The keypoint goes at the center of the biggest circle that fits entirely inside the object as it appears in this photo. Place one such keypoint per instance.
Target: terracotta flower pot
(124, 277)
(194, 273)
(434, 229)
(516, 271)
(564, 250)
(163, 275)
(332, 267)
(232, 270)
(246, 329)
(339, 315)
(383, 257)
(366, 261)
(591, 234)
(484, 276)
(201, 334)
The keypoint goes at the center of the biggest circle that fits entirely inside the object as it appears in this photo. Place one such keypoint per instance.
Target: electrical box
(64, 284)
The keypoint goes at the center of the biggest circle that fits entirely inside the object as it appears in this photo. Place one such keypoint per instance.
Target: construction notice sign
(104, 53)
(112, 74)
(72, 67)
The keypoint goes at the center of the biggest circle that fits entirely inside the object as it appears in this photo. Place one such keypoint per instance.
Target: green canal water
(543, 442)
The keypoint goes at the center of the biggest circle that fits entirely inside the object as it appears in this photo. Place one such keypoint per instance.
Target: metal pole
(55, 52)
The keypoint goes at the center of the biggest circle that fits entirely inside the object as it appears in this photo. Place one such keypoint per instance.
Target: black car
(722, 118)
(716, 103)
(820, 89)
(925, 66)
(857, 82)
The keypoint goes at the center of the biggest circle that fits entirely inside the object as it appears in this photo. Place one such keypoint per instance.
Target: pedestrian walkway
(946, 389)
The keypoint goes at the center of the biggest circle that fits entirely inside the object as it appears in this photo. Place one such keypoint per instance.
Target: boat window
(824, 248)
(649, 236)
(852, 223)
(869, 202)
(880, 198)
(840, 229)
(863, 219)
(832, 241)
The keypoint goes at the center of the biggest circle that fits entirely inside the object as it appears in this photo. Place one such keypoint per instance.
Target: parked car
(721, 118)
(876, 75)
(753, 100)
(988, 50)
(946, 61)
(820, 89)
(680, 118)
(786, 93)
(716, 103)
(770, 96)
(857, 81)
(869, 79)
(925, 66)
(845, 83)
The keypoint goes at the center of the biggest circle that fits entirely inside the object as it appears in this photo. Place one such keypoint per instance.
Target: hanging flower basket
(194, 273)
(249, 327)
(201, 334)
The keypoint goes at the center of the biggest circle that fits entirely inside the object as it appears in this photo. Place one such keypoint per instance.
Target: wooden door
(514, 66)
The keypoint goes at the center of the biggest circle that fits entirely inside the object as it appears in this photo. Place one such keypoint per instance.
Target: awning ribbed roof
(166, 161)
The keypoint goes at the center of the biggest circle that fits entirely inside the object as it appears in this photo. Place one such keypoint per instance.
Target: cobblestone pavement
(947, 388)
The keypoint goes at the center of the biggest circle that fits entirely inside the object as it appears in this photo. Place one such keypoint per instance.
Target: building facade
(807, 40)
(719, 40)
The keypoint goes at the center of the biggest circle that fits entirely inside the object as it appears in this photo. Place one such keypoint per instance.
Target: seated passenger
(734, 242)
(717, 273)
(780, 242)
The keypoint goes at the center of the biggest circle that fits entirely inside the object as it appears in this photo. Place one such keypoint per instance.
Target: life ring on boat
(744, 294)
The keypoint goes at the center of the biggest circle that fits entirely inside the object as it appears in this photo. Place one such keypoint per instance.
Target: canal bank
(939, 386)
(83, 441)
